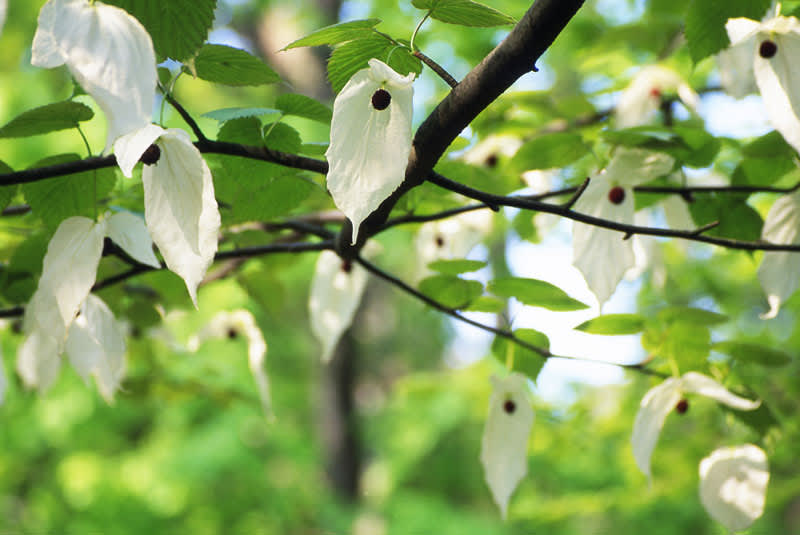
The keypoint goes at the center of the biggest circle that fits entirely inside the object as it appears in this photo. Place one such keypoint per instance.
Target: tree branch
(627, 230)
(515, 56)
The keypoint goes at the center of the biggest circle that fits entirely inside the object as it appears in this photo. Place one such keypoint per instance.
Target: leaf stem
(416, 30)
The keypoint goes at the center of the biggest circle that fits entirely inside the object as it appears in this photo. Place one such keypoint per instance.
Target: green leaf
(58, 198)
(282, 137)
(705, 23)
(535, 292)
(736, 218)
(464, 12)
(754, 353)
(525, 361)
(303, 106)
(353, 56)
(244, 130)
(337, 33)
(48, 118)
(177, 27)
(232, 66)
(611, 324)
(456, 267)
(549, 151)
(688, 343)
(451, 291)
(226, 114)
(695, 316)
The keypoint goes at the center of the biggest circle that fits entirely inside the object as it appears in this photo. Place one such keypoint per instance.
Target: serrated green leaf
(227, 114)
(337, 33)
(688, 343)
(612, 324)
(549, 151)
(59, 198)
(244, 130)
(457, 266)
(534, 292)
(524, 360)
(464, 13)
(705, 23)
(696, 316)
(282, 137)
(177, 27)
(754, 353)
(48, 118)
(303, 106)
(353, 56)
(451, 291)
(314, 149)
(232, 66)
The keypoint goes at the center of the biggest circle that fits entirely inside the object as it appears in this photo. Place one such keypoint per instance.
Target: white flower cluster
(111, 56)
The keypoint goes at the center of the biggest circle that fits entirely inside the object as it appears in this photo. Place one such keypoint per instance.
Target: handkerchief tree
(427, 145)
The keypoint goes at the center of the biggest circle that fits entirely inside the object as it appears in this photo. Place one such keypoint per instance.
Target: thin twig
(537, 206)
(438, 69)
(188, 119)
(502, 333)
(572, 200)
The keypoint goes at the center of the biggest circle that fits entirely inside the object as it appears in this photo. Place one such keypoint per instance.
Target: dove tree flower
(451, 238)
(241, 322)
(108, 52)
(774, 44)
(778, 270)
(179, 206)
(662, 399)
(336, 290)
(600, 254)
(504, 445)
(370, 140)
(68, 272)
(640, 101)
(733, 485)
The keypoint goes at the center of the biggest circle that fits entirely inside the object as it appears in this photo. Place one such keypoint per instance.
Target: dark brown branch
(515, 56)
(577, 195)
(188, 119)
(627, 230)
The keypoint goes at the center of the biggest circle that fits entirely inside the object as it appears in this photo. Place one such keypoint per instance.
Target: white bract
(640, 101)
(241, 322)
(774, 45)
(662, 399)
(504, 445)
(736, 74)
(3, 8)
(370, 140)
(779, 272)
(108, 52)
(600, 254)
(733, 485)
(69, 270)
(336, 290)
(179, 205)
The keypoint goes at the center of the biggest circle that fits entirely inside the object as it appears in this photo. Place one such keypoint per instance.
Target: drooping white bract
(68, 273)
(600, 254)
(179, 206)
(370, 140)
(736, 74)
(660, 400)
(488, 150)
(775, 46)
(451, 238)
(640, 101)
(108, 52)
(779, 272)
(242, 322)
(96, 346)
(733, 485)
(504, 445)
(336, 290)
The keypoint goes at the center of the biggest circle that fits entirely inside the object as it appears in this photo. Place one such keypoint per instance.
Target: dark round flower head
(151, 155)
(767, 49)
(682, 406)
(509, 406)
(439, 241)
(232, 333)
(616, 195)
(347, 266)
(381, 99)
